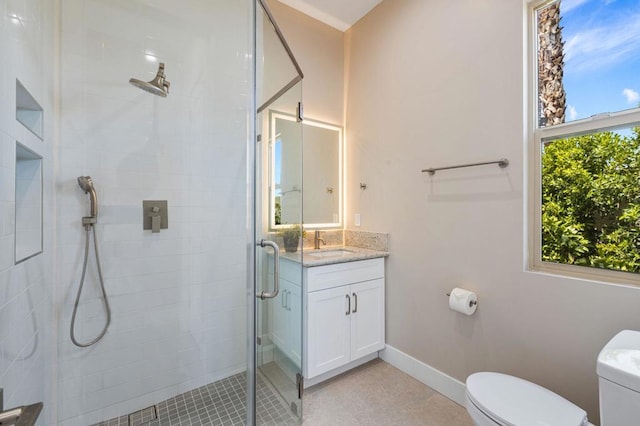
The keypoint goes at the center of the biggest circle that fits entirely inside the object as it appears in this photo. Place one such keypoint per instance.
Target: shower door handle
(276, 269)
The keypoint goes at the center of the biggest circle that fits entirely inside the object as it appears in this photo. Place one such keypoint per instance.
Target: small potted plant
(291, 237)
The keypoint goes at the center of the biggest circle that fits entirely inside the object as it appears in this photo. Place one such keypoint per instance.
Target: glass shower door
(279, 295)
(279, 291)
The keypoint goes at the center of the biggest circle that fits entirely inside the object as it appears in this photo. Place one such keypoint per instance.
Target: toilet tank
(619, 380)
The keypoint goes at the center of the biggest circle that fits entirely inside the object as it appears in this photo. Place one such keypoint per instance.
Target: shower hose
(89, 227)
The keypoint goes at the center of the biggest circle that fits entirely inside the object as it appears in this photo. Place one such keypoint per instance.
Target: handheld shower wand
(89, 222)
(86, 184)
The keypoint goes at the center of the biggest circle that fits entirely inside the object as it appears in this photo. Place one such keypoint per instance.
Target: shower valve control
(155, 215)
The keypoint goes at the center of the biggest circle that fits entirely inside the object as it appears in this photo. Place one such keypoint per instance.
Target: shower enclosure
(279, 315)
(188, 340)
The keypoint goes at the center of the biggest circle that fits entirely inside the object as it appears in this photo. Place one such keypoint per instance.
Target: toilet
(499, 399)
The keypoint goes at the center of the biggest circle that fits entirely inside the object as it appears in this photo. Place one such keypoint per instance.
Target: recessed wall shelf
(28, 221)
(28, 111)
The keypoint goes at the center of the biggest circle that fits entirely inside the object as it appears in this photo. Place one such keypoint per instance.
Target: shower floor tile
(219, 403)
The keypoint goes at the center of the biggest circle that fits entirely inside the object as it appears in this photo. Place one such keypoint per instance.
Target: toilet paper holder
(471, 302)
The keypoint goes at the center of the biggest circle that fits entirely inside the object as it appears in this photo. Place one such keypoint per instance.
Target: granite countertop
(325, 257)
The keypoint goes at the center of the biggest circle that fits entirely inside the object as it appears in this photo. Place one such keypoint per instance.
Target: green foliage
(292, 232)
(278, 212)
(591, 201)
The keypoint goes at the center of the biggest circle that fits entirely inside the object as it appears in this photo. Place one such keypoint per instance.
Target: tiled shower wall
(26, 288)
(178, 298)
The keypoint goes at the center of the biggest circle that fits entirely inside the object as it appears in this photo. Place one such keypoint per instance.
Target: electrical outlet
(357, 219)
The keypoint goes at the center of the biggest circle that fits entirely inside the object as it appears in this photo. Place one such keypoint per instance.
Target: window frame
(535, 136)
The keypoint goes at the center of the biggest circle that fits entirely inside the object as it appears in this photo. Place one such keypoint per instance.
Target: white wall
(26, 289)
(178, 298)
(434, 83)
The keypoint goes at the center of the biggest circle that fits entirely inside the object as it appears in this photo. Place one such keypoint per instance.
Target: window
(585, 127)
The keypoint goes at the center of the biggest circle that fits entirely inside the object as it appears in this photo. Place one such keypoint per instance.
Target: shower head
(158, 86)
(86, 184)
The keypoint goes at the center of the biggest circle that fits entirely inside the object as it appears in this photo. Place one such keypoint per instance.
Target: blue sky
(602, 55)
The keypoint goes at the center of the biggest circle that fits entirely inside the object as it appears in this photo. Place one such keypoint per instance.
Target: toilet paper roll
(463, 301)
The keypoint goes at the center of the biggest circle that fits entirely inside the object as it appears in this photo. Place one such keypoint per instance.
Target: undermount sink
(330, 253)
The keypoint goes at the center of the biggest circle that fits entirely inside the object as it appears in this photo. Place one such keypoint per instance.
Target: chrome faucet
(317, 239)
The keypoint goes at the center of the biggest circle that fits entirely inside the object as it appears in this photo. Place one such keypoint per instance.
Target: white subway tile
(70, 388)
(69, 408)
(139, 147)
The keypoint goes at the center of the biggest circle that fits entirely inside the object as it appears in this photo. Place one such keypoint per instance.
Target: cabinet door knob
(348, 305)
(355, 303)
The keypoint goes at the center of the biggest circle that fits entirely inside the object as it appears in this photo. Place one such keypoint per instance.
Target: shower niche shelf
(28, 222)
(28, 111)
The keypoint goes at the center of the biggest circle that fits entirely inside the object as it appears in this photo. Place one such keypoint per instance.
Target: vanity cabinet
(286, 309)
(342, 309)
(344, 314)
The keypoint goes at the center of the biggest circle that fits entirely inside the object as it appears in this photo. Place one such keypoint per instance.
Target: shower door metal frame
(252, 277)
(297, 78)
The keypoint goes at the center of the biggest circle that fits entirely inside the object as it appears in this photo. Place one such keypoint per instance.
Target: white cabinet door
(328, 328)
(286, 332)
(367, 318)
(294, 333)
(279, 320)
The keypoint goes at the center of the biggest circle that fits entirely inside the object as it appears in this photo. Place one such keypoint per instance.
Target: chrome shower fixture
(89, 222)
(86, 184)
(159, 86)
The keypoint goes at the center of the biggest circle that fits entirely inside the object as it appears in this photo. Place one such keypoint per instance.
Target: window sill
(602, 276)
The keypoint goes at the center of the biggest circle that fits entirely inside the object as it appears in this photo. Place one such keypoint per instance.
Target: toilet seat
(510, 401)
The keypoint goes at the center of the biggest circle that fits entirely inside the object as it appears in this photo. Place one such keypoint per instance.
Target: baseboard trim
(328, 375)
(435, 379)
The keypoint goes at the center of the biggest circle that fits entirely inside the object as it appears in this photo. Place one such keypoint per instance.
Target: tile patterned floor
(143, 416)
(219, 403)
(374, 394)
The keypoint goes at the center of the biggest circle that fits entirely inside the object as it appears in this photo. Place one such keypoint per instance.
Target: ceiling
(340, 14)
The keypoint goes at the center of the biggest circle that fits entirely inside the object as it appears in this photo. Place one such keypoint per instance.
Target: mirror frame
(273, 115)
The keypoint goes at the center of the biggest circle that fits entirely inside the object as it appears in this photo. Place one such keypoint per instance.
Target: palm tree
(551, 94)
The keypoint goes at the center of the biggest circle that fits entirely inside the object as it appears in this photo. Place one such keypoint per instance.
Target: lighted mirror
(321, 172)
